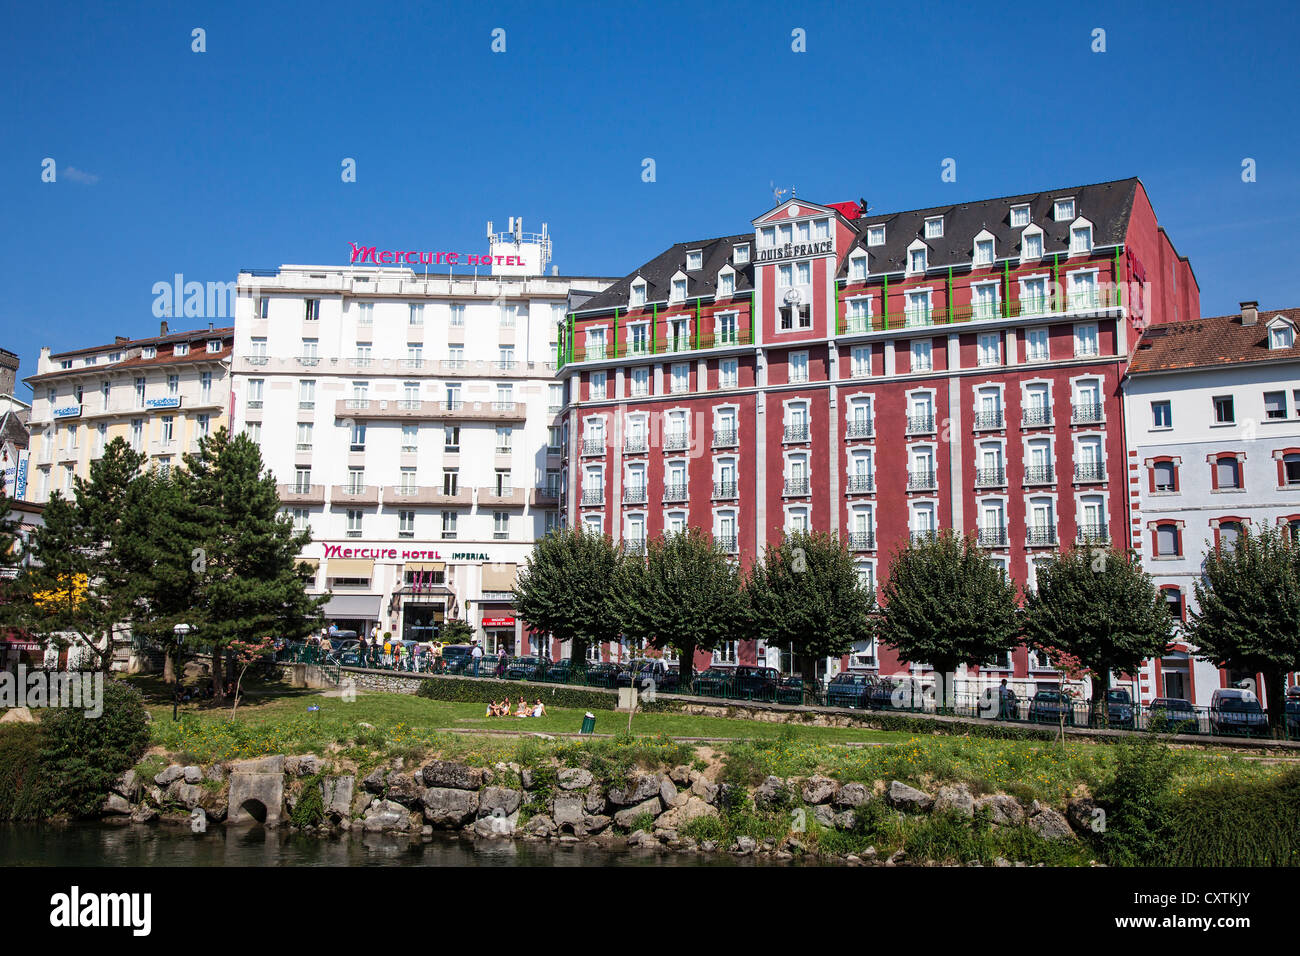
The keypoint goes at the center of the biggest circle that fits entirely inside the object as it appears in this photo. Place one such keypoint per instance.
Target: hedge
(480, 690)
(21, 783)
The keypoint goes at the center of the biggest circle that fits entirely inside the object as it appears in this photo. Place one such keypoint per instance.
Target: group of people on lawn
(524, 709)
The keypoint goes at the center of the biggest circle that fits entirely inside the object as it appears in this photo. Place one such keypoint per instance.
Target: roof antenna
(863, 207)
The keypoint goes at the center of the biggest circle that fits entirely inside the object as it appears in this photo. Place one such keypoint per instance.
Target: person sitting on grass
(522, 709)
(501, 709)
(539, 709)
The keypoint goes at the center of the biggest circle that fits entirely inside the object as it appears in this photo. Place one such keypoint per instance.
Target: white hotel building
(412, 422)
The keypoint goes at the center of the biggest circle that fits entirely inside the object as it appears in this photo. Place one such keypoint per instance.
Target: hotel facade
(413, 423)
(1212, 412)
(160, 394)
(876, 375)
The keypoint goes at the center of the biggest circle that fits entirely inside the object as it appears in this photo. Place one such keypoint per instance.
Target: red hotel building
(874, 375)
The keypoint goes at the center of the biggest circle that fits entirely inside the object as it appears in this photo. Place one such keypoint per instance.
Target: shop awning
(425, 566)
(364, 606)
(349, 568)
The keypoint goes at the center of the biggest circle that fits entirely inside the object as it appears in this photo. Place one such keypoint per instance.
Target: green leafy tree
(566, 588)
(456, 631)
(806, 596)
(685, 595)
(1099, 606)
(1249, 617)
(946, 604)
(248, 584)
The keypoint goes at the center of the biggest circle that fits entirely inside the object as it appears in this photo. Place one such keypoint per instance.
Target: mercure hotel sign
(413, 257)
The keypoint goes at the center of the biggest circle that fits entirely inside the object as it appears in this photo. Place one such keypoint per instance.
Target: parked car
(790, 690)
(456, 659)
(881, 696)
(1173, 715)
(524, 668)
(1049, 706)
(1119, 709)
(644, 670)
(563, 672)
(755, 683)
(714, 682)
(849, 690)
(1235, 711)
(603, 674)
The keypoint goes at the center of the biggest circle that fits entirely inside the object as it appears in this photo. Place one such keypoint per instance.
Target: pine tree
(946, 604)
(806, 596)
(567, 589)
(247, 581)
(1249, 617)
(686, 595)
(1100, 607)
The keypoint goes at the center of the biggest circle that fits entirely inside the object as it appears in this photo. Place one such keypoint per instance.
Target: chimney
(162, 327)
(119, 339)
(1249, 313)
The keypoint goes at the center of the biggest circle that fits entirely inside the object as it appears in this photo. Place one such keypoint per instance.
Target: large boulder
(127, 785)
(117, 805)
(1004, 810)
(495, 826)
(169, 775)
(1083, 814)
(595, 823)
(1051, 825)
(824, 815)
(386, 815)
(903, 797)
(541, 826)
(404, 788)
(851, 795)
(192, 774)
(625, 818)
(569, 811)
(302, 766)
(337, 794)
(274, 764)
(958, 799)
(772, 793)
(667, 792)
(819, 789)
(594, 801)
(677, 817)
(374, 781)
(574, 778)
(449, 775)
(256, 797)
(448, 807)
(498, 801)
(680, 775)
(638, 788)
(186, 794)
(708, 792)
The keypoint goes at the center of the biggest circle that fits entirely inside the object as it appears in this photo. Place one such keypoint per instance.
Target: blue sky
(202, 163)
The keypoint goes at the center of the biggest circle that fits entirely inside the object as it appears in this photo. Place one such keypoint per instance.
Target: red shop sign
(498, 622)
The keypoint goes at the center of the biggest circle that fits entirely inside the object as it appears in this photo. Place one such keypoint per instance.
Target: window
(1063, 209)
(740, 254)
(1167, 541)
(1291, 468)
(410, 437)
(638, 294)
(554, 440)
(875, 235)
(358, 439)
(149, 351)
(858, 268)
(1223, 410)
(990, 348)
(1080, 240)
(448, 525)
(168, 429)
(365, 313)
(457, 315)
(304, 436)
(1227, 472)
(364, 351)
(681, 377)
(785, 276)
(984, 300)
(1164, 476)
(205, 387)
(860, 361)
(1083, 291)
(917, 309)
(597, 390)
(356, 482)
(726, 329)
(727, 284)
(984, 252)
(263, 307)
(173, 386)
(406, 524)
(640, 382)
(798, 366)
(922, 355)
(727, 373)
(1173, 602)
(451, 438)
(1036, 348)
(500, 525)
(257, 351)
(1019, 217)
(1162, 415)
(678, 293)
(1281, 336)
(1032, 246)
(311, 309)
(1229, 532)
(694, 261)
(505, 438)
(1085, 339)
(450, 481)
(916, 261)
(300, 520)
(181, 348)
(1275, 405)
(934, 227)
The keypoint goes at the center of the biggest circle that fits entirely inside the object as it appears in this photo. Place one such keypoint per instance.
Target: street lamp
(180, 630)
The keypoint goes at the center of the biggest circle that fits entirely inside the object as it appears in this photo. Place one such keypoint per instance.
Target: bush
(1139, 805)
(481, 689)
(310, 808)
(20, 772)
(81, 756)
(1236, 823)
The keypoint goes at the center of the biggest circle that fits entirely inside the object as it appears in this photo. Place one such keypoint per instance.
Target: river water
(99, 844)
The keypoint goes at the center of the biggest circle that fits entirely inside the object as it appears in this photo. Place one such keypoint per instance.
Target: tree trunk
(1275, 695)
(218, 687)
(578, 649)
(169, 666)
(686, 669)
(1100, 710)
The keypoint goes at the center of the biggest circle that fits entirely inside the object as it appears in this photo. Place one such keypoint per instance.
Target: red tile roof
(1210, 342)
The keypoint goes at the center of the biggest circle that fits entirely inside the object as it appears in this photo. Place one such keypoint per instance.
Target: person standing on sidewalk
(476, 653)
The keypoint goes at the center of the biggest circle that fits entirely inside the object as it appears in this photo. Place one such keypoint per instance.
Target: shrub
(310, 808)
(1236, 823)
(20, 772)
(1140, 812)
(81, 756)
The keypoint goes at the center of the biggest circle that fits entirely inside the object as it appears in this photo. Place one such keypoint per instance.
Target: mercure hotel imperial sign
(413, 257)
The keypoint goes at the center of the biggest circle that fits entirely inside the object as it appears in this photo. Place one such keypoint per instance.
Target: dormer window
(1031, 244)
(1281, 335)
(726, 284)
(214, 345)
(917, 260)
(858, 268)
(694, 261)
(1019, 216)
(740, 254)
(934, 227)
(181, 348)
(983, 252)
(875, 235)
(1063, 209)
(1081, 238)
(638, 294)
(149, 351)
(678, 293)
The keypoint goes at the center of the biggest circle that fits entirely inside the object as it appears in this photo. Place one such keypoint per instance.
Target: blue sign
(163, 403)
(68, 411)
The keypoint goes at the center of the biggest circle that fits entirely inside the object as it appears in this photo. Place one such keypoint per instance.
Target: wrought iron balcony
(921, 537)
(676, 441)
(796, 432)
(593, 446)
(727, 542)
(861, 484)
(676, 491)
(634, 495)
(987, 420)
(1086, 414)
(921, 481)
(636, 445)
(1040, 536)
(920, 424)
(862, 541)
(725, 438)
(1092, 534)
(859, 429)
(993, 537)
(1036, 417)
(635, 546)
(1089, 471)
(725, 489)
(593, 496)
(990, 477)
(796, 486)
(1040, 475)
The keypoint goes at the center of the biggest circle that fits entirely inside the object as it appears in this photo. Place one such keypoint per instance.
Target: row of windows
(412, 393)
(408, 522)
(1225, 470)
(1167, 536)
(172, 389)
(1223, 409)
(363, 354)
(508, 313)
(212, 346)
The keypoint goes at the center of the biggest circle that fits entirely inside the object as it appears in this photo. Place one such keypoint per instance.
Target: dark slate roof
(1106, 205)
(1210, 342)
